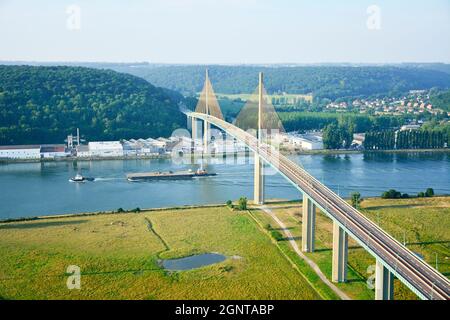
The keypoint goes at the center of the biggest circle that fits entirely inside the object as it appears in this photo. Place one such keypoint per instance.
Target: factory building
(33, 152)
(54, 151)
(105, 149)
(20, 152)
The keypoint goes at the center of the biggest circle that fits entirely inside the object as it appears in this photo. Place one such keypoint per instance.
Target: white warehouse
(20, 152)
(306, 142)
(106, 149)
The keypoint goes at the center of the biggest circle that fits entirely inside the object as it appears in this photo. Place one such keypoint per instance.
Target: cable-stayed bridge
(392, 258)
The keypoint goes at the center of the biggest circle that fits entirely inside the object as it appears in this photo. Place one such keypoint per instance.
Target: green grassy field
(423, 222)
(118, 257)
(118, 254)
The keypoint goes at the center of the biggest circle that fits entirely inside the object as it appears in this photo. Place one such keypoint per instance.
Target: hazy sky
(226, 31)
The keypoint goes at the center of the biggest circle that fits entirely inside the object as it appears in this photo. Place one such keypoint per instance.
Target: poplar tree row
(411, 139)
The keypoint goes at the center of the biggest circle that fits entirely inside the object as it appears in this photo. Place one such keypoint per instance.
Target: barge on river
(170, 175)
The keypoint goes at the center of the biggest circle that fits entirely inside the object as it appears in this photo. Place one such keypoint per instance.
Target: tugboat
(79, 178)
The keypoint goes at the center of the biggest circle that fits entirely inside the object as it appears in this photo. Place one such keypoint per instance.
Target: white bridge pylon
(392, 258)
(207, 104)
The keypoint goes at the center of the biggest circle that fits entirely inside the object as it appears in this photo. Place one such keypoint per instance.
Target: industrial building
(143, 147)
(33, 152)
(306, 141)
(82, 151)
(54, 151)
(125, 148)
(20, 152)
(105, 149)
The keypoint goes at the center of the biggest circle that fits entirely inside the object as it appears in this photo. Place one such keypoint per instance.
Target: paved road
(427, 282)
(311, 263)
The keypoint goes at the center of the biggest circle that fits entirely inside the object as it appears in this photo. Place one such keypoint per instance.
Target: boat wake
(108, 179)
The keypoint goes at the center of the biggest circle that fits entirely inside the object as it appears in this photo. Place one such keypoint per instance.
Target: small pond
(192, 262)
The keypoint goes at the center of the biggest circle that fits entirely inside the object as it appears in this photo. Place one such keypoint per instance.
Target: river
(32, 189)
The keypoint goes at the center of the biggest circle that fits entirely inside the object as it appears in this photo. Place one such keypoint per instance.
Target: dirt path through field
(311, 263)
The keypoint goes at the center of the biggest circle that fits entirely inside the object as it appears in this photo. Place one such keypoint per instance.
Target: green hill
(441, 99)
(324, 81)
(45, 104)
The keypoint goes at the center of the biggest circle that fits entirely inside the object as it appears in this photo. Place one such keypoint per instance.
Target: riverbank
(144, 157)
(135, 210)
(270, 202)
(331, 152)
(111, 212)
(221, 155)
(81, 159)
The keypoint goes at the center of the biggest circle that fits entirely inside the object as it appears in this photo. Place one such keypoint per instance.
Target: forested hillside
(45, 104)
(441, 100)
(323, 81)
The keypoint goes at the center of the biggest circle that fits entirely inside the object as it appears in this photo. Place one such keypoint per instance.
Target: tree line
(394, 194)
(337, 136)
(408, 139)
(384, 140)
(301, 121)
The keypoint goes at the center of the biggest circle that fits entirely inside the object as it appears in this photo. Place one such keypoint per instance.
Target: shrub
(242, 205)
(421, 194)
(429, 192)
(276, 235)
(229, 204)
(356, 199)
(137, 210)
(405, 196)
(227, 268)
(391, 194)
(120, 210)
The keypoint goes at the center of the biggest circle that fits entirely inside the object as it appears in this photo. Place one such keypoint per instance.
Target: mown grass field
(118, 257)
(423, 222)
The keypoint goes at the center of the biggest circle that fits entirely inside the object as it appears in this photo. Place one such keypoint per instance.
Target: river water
(31, 189)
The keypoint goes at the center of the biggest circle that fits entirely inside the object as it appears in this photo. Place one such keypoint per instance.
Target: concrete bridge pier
(193, 135)
(308, 224)
(206, 136)
(384, 283)
(194, 128)
(258, 188)
(340, 254)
